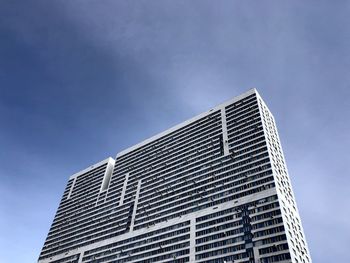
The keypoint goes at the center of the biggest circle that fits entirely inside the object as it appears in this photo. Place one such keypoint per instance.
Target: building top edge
(91, 167)
(182, 124)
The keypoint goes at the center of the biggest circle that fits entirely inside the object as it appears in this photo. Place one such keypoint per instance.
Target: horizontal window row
(167, 140)
(233, 209)
(69, 259)
(238, 105)
(203, 197)
(77, 244)
(195, 188)
(243, 110)
(222, 251)
(207, 205)
(151, 235)
(273, 249)
(161, 166)
(221, 243)
(122, 252)
(181, 184)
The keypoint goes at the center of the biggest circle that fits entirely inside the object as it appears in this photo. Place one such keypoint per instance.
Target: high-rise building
(214, 188)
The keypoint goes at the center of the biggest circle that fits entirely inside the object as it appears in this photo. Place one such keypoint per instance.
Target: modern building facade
(212, 189)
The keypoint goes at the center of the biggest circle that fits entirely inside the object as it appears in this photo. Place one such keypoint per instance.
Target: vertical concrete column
(107, 176)
(193, 240)
(81, 257)
(256, 254)
(224, 131)
(71, 188)
(135, 205)
(124, 189)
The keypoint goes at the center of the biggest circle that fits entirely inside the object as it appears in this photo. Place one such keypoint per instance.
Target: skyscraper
(214, 188)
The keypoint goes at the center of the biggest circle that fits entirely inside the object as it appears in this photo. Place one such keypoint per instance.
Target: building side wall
(291, 217)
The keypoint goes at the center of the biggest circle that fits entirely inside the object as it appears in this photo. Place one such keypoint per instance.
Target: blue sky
(82, 80)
